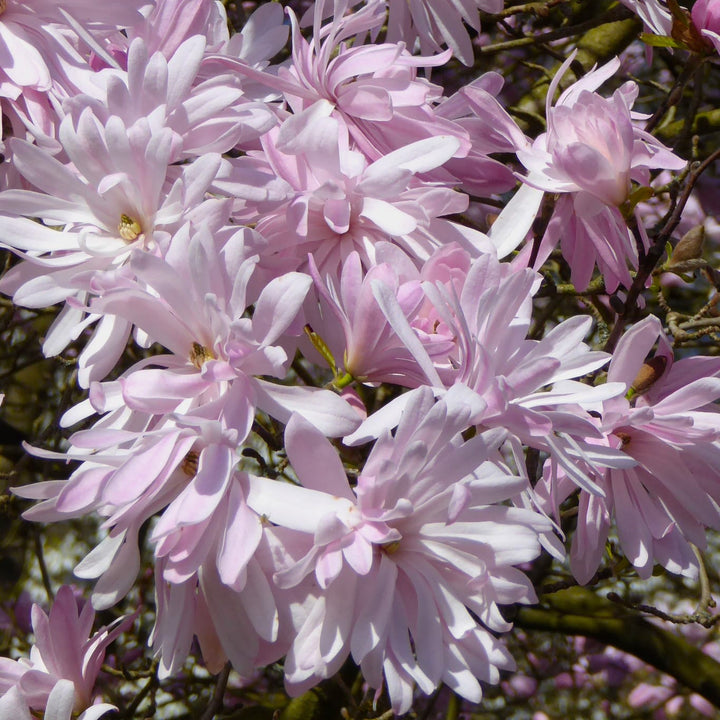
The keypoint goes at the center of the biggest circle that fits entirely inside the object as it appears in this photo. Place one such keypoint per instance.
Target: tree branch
(579, 611)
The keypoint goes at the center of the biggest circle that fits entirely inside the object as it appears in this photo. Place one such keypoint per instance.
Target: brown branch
(216, 702)
(656, 251)
(580, 612)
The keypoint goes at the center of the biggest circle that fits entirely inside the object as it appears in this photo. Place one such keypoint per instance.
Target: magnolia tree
(364, 357)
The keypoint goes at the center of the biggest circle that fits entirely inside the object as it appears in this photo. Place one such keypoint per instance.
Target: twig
(702, 611)
(613, 15)
(538, 8)
(40, 554)
(655, 252)
(216, 702)
(673, 97)
(145, 690)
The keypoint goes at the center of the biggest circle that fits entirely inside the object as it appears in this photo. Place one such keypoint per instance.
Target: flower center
(199, 355)
(390, 548)
(3, 6)
(624, 437)
(129, 228)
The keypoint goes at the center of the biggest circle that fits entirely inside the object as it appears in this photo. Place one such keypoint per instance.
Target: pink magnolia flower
(206, 110)
(350, 322)
(374, 90)
(706, 18)
(338, 203)
(590, 153)
(528, 385)
(209, 535)
(114, 196)
(432, 23)
(197, 313)
(59, 705)
(412, 563)
(669, 428)
(250, 626)
(171, 22)
(169, 441)
(134, 466)
(64, 650)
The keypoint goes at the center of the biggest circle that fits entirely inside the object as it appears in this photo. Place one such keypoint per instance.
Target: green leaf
(659, 40)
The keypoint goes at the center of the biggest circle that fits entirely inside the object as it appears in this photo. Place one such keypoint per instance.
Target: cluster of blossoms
(278, 241)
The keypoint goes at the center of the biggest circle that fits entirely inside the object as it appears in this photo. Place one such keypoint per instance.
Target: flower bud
(690, 247)
(650, 372)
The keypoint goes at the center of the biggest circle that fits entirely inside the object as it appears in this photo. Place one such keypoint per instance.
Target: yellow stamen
(128, 228)
(391, 547)
(199, 355)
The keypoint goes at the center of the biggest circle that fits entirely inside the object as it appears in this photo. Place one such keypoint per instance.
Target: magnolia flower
(590, 153)
(114, 196)
(654, 14)
(350, 322)
(706, 18)
(432, 20)
(432, 23)
(374, 89)
(64, 661)
(338, 203)
(59, 705)
(171, 22)
(669, 428)
(413, 562)
(206, 110)
(173, 423)
(528, 385)
(208, 536)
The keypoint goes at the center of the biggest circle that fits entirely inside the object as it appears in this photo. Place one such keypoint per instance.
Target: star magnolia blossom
(206, 114)
(232, 605)
(374, 89)
(59, 705)
(654, 14)
(170, 437)
(591, 153)
(338, 203)
(706, 18)
(430, 20)
(114, 197)
(670, 429)
(432, 23)
(384, 591)
(350, 322)
(527, 384)
(64, 661)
